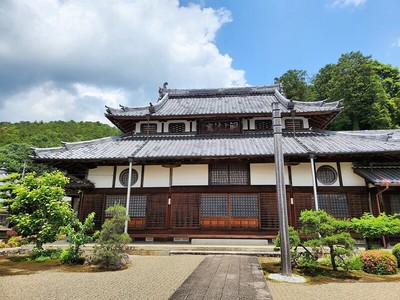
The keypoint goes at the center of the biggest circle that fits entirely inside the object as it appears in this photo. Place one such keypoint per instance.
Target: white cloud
(74, 53)
(50, 102)
(355, 3)
(396, 43)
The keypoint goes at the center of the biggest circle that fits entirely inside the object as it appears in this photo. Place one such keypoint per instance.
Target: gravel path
(149, 277)
(335, 291)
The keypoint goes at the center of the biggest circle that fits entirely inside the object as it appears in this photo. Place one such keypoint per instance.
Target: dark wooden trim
(142, 176)
(114, 176)
(339, 170)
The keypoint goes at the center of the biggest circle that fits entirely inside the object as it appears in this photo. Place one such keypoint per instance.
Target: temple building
(203, 165)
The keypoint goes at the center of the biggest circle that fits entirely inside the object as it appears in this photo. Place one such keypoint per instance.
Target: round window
(123, 177)
(326, 175)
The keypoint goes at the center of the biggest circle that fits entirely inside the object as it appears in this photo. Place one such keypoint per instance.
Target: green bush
(379, 262)
(69, 256)
(294, 238)
(112, 241)
(44, 255)
(396, 253)
(77, 237)
(346, 262)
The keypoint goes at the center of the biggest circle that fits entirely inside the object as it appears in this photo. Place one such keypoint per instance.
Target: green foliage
(37, 208)
(17, 139)
(369, 89)
(112, 240)
(77, 236)
(371, 227)
(346, 262)
(396, 253)
(294, 238)
(41, 255)
(328, 232)
(295, 86)
(379, 262)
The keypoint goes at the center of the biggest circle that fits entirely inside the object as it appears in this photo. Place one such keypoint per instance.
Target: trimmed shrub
(379, 262)
(396, 253)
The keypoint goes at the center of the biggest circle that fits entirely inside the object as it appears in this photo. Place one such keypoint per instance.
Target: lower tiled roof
(380, 175)
(195, 146)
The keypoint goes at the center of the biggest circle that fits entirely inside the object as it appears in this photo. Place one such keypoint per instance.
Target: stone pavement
(225, 277)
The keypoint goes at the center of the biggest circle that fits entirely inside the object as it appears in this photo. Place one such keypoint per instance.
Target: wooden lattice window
(296, 123)
(229, 174)
(214, 205)
(262, 125)
(334, 204)
(112, 200)
(124, 176)
(326, 175)
(148, 128)
(137, 204)
(176, 127)
(244, 205)
(394, 201)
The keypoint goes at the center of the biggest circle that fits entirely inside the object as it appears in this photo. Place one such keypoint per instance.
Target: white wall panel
(190, 175)
(156, 176)
(264, 174)
(101, 176)
(349, 177)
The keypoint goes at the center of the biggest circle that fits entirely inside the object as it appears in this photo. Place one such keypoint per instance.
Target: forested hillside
(369, 89)
(51, 134)
(17, 139)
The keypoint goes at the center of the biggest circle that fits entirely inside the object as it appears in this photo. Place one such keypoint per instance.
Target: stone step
(213, 252)
(230, 242)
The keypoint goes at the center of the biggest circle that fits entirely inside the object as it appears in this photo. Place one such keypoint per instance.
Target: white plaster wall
(349, 177)
(301, 175)
(305, 122)
(101, 176)
(245, 124)
(122, 168)
(264, 174)
(187, 125)
(190, 175)
(333, 165)
(156, 176)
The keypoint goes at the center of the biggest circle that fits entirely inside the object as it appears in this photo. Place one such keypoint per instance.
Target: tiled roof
(197, 146)
(245, 100)
(380, 175)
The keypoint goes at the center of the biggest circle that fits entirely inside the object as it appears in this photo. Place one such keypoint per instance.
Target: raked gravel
(149, 277)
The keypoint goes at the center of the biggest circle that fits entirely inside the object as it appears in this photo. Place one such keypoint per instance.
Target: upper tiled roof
(200, 147)
(244, 100)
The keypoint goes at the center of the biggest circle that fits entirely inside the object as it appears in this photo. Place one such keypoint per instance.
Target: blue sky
(266, 38)
(67, 59)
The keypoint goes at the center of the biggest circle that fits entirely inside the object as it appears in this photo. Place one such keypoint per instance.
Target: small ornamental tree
(36, 206)
(77, 236)
(329, 232)
(112, 240)
(371, 227)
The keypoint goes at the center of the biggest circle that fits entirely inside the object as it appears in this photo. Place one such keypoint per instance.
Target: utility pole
(128, 193)
(281, 191)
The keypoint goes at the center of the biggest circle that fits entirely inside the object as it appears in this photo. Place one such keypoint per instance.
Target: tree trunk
(332, 254)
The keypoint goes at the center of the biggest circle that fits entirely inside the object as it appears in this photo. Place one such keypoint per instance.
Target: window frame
(229, 169)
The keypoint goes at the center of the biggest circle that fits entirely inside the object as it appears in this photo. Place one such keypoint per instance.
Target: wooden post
(281, 191)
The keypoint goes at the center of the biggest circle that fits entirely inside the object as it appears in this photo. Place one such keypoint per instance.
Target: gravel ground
(336, 291)
(149, 277)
